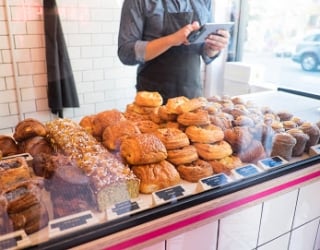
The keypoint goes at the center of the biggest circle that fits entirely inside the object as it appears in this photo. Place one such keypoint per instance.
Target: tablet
(205, 30)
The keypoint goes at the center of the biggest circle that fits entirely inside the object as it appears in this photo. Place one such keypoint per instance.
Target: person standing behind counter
(153, 34)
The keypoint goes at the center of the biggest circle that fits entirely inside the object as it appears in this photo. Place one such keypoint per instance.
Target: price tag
(314, 150)
(271, 162)
(245, 171)
(27, 156)
(125, 208)
(168, 195)
(14, 240)
(214, 181)
(71, 223)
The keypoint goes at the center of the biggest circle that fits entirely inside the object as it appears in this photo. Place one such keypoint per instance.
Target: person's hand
(216, 42)
(181, 35)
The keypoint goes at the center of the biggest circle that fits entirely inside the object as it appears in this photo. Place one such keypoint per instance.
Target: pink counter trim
(218, 210)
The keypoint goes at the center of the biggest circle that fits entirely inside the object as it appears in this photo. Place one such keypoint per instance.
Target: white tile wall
(280, 243)
(90, 30)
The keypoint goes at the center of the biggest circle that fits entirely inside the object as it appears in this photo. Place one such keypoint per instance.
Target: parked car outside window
(308, 52)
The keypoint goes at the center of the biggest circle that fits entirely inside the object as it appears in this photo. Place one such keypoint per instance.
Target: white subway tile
(42, 105)
(91, 52)
(22, 55)
(3, 28)
(8, 121)
(4, 109)
(4, 42)
(14, 108)
(2, 83)
(40, 80)
(102, 14)
(25, 81)
(38, 54)
(82, 64)
(278, 243)
(10, 83)
(8, 96)
(31, 68)
(308, 206)
(35, 27)
(92, 75)
(6, 56)
(277, 216)
(240, 230)
(2, 13)
(304, 237)
(28, 41)
(19, 27)
(28, 106)
(190, 240)
(93, 97)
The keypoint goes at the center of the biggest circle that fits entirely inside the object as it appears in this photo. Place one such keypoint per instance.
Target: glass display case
(73, 218)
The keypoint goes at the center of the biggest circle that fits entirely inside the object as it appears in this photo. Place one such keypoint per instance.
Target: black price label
(10, 242)
(170, 193)
(125, 207)
(70, 223)
(272, 162)
(215, 180)
(247, 170)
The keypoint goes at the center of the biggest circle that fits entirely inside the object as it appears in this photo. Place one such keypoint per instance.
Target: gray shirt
(142, 21)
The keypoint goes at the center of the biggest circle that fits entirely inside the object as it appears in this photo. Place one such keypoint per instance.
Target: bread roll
(173, 104)
(192, 105)
(156, 176)
(143, 149)
(36, 145)
(226, 164)
(199, 117)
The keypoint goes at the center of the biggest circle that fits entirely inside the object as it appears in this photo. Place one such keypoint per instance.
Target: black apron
(176, 72)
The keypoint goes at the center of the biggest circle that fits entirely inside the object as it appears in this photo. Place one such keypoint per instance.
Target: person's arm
(158, 46)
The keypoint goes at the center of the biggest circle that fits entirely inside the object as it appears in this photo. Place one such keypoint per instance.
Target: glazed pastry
(283, 144)
(289, 124)
(29, 128)
(199, 117)
(206, 134)
(172, 138)
(156, 176)
(213, 151)
(148, 99)
(114, 134)
(277, 126)
(144, 110)
(226, 164)
(8, 145)
(302, 140)
(182, 155)
(141, 149)
(165, 114)
(243, 120)
(195, 170)
(313, 131)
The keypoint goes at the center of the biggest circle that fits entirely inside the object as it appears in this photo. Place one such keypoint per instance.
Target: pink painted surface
(214, 212)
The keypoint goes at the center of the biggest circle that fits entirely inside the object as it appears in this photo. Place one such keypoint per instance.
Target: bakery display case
(118, 180)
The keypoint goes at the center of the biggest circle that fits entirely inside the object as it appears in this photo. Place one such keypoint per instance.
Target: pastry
(192, 105)
(148, 99)
(146, 126)
(143, 149)
(213, 151)
(238, 137)
(173, 104)
(35, 145)
(165, 114)
(29, 128)
(87, 123)
(254, 152)
(8, 145)
(156, 176)
(283, 144)
(13, 171)
(197, 118)
(313, 131)
(104, 119)
(205, 134)
(195, 170)
(182, 155)
(243, 120)
(114, 134)
(302, 140)
(143, 110)
(111, 181)
(226, 164)
(284, 115)
(172, 138)
(289, 124)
